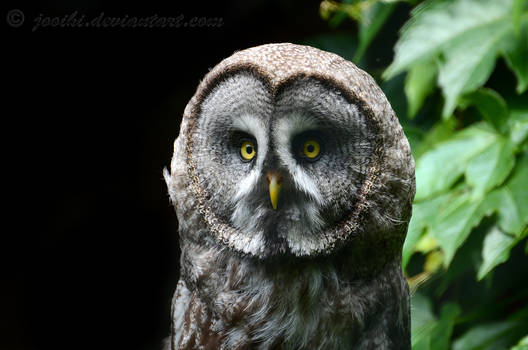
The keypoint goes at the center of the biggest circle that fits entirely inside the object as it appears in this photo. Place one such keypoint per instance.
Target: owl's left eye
(308, 146)
(311, 149)
(247, 150)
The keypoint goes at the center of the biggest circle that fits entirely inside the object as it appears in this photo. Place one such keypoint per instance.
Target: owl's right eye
(247, 150)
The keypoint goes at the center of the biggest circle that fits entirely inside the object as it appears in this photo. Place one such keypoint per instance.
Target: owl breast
(287, 307)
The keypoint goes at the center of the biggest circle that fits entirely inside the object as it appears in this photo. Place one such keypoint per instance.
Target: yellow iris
(311, 149)
(247, 150)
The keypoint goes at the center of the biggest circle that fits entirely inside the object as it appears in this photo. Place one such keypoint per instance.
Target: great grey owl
(292, 182)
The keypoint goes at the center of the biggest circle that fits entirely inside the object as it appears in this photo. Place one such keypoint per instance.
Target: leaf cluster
(458, 81)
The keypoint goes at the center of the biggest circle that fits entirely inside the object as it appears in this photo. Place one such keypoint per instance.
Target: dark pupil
(249, 149)
(310, 148)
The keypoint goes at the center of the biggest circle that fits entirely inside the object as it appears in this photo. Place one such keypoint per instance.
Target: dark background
(89, 243)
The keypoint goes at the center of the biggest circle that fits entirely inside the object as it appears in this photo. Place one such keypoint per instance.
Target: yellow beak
(274, 183)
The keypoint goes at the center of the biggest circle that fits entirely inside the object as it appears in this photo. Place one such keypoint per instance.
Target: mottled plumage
(292, 182)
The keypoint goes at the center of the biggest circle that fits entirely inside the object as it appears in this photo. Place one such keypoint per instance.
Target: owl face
(287, 150)
(280, 169)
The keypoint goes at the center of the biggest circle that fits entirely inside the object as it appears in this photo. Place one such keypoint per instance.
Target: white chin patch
(302, 234)
(300, 226)
(248, 237)
(252, 244)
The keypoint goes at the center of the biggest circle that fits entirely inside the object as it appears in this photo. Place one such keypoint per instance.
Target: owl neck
(273, 298)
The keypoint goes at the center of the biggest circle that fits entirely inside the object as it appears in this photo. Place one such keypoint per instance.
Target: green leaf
(372, 19)
(335, 14)
(478, 337)
(337, 19)
(428, 332)
(516, 55)
(518, 125)
(433, 261)
(414, 135)
(517, 190)
(522, 344)
(470, 59)
(438, 169)
(510, 216)
(490, 105)
(510, 202)
(490, 167)
(518, 7)
(423, 321)
(465, 263)
(423, 343)
(426, 244)
(496, 250)
(419, 83)
(422, 215)
(454, 222)
(495, 335)
(440, 337)
(413, 235)
(441, 131)
(435, 25)
(421, 311)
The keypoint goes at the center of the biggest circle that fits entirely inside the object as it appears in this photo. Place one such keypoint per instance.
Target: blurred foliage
(458, 82)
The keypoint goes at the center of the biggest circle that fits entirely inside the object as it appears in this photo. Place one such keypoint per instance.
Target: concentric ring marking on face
(259, 125)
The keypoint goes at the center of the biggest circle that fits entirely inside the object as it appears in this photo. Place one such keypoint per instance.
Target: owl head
(287, 150)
